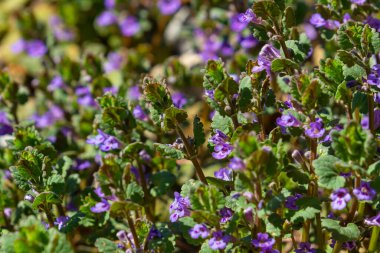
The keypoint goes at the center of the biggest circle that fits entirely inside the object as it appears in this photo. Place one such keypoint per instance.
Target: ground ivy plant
(190, 126)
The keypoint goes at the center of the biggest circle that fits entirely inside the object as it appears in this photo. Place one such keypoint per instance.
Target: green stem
(305, 231)
(49, 217)
(320, 236)
(133, 230)
(371, 114)
(374, 239)
(191, 155)
(361, 210)
(145, 190)
(338, 245)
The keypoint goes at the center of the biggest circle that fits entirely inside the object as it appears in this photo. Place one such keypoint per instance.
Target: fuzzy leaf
(199, 135)
(348, 233)
(168, 151)
(327, 172)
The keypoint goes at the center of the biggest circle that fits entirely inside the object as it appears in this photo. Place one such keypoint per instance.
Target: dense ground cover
(186, 126)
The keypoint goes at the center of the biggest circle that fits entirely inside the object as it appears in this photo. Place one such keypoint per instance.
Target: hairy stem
(374, 239)
(371, 114)
(133, 230)
(191, 154)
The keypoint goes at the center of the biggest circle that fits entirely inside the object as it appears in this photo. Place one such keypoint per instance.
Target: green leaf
(121, 208)
(58, 243)
(28, 169)
(157, 94)
(297, 174)
(168, 151)
(370, 40)
(354, 144)
(289, 18)
(45, 198)
(135, 193)
(374, 168)
(106, 246)
(245, 94)
(343, 93)
(300, 50)
(207, 198)
(223, 123)
(226, 89)
(327, 172)
(360, 101)
(162, 182)
(199, 135)
(310, 95)
(132, 149)
(214, 74)
(174, 117)
(281, 64)
(308, 208)
(348, 233)
(266, 9)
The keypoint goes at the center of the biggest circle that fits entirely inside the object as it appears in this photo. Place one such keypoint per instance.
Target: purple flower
(5, 125)
(29, 197)
(134, 93)
(84, 96)
(179, 208)
(139, 113)
(209, 94)
(373, 221)
(350, 245)
(226, 214)
(248, 42)
(82, 164)
(61, 221)
(365, 120)
(236, 25)
(109, 4)
(18, 46)
(340, 198)
(247, 17)
(60, 31)
(288, 120)
(222, 150)
(106, 18)
(236, 163)
(211, 47)
(35, 48)
(373, 22)
(317, 20)
(129, 26)
(332, 24)
(365, 191)
(267, 54)
(290, 202)
(168, 7)
(114, 61)
(310, 31)
(346, 17)
(111, 143)
(305, 247)
(56, 83)
(122, 236)
(315, 129)
(104, 141)
(179, 99)
(101, 207)
(218, 241)
(54, 114)
(223, 174)
(154, 233)
(226, 49)
(358, 2)
(263, 241)
(8, 212)
(374, 77)
(199, 230)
